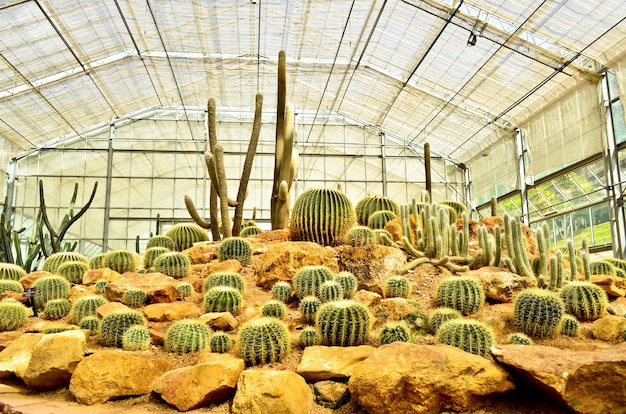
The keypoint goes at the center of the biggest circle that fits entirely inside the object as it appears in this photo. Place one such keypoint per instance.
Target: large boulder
(583, 381)
(409, 378)
(500, 285)
(165, 312)
(609, 328)
(320, 363)
(614, 286)
(269, 391)
(159, 288)
(372, 263)
(91, 276)
(14, 359)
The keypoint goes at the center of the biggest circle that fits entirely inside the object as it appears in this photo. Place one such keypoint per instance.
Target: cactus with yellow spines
(115, 323)
(13, 315)
(379, 219)
(236, 248)
(224, 278)
(469, 335)
(348, 282)
(52, 262)
(10, 271)
(173, 264)
(262, 340)
(184, 235)
(187, 335)
(121, 261)
(86, 306)
(343, 323)
(73, 271)
(8, 285)
(309, 279)
(370, 204)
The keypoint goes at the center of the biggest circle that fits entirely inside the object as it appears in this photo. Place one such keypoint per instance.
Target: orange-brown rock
(159, 288)
(107, 308)
(268, 391)
(165, 312)
(500, 285)
(614, 286)
(28, 280)
(609, 328)
(223, 321)
(202, 253)
(320, 363)
(370, 264)
(231, 265)
(14, 359)
(93, 275)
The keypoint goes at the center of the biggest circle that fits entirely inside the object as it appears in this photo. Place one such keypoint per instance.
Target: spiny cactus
(262, 340)
(274, 309)
(250, 231)
(343, 323)
(370, 204)
(56, 327)
(185, 289)
(135, 298)
(348, 282)
(469, 335)
(73, 271)
(361, 236)
(225, 278)
(187, 335)
(516, 247)
(90, 323)
(518, 338)
(56, 309)
(462, 293)
(584, 300)
(152, 253)
(331, 290)
(160, 240)
(309, 279)
(458, 207)
(173, 264)
(10, 271)
(394, 331)
(379, 219)
(114, 325)
(52, 262)
(101, 285)
(309, 336)
(236, 248)
(321, 215)
(222, 299)
(220, 342)
(86, 306)
(441, 315)
(9, 285)
(184, 235)
(617, 263)
(538, 312)
(569, 326)
(282, 291)
(50, 287)
(121, 261)
(309, 305)
(136, 338)
(397, 287)
(13, 315)
(97, 262)
(601, 267)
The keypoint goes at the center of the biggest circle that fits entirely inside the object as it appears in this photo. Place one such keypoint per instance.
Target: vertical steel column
(467, 185)
(383, 162)
(107, 195)
(521, 176)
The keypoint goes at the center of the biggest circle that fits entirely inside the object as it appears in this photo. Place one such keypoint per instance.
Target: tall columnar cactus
(134, 298)
(151, 254)
(282, 291)
(13, 315)
(184, 235)
(136, 338)
(121, 261)
(56, 309)
(10, 271)
(309, 279)
(516, 246)
(236, 248)
(343, 323)
(469, 335)
(160, 240)
(262, 340)
(331, 290)
(114, 325)
(371, 204)
(86, 306)
(8, 285)
(348, 282)
(379, 219)
(397, 287)
(518, 338)
(97, 262)
(309, 305)
(309, 336)
(586, 267)
(361, 236)
(274, 309)
(569, 326)
(538, 312)
(463, 293)
(174, 264)
(187, 335)
(601, 267)
(52, 262)
(220, 342)
(394, 331)
(73, 271)
(49, 288)
(224, 278)
(571, 255)
(222, 299)
(542, 245)
(321, 215)
(441, 315)
(458, 207)
(584, 300)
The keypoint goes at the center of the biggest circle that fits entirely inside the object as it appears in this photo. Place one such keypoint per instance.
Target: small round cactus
(397, 287)
(114, 325)
(584, 300)
(370, 204)
(10, 271)
(309, 305)
(225, 278)
(13, 315)
(518, 338)
(187, 335)
(282, 291)
(160, 240)
(441, 315)
(184, 235)
(379, 219)
(250, 231)
(10, 285)
(135, 298)
(569, 326)
(136, 338)
(149, 258)
(222, 299)
(173, 264)
(343, 323)
(73, 271)
(236, 248)
(394, 331)
(121, 261)
(220, 342)
(274, 309)
(462, 293)
(538, 312)
(262, 340)
(101, 285)
(469, 335)
(185, 289)
(348, 282)
(361, 236)
(56, 309)
(90, 323)
(309, 279)
(49, 288)
(97, 262)
(309, 336)
(52, 262)
(331, 290)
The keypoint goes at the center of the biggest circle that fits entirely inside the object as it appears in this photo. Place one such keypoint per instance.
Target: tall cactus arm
(193, 212)
(287, 171)
(213, 203)
(280, 134)
(223, 191)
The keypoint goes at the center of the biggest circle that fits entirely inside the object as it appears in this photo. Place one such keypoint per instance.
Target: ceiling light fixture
(475, 33)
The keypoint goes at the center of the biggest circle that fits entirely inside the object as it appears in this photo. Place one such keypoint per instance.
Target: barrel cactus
(393, 332)
(518, 338)
(359, 236)
(370, 204)
(185, 289)
(10, 271)
(282, 291)
(225, 278)
(250, 231)
(331, 290)
(49, 288)
(136, 338)
(538, 312)
(135, 298)
(462, 293)
(441, 315)
(274, 309)
(309, 336)
(184, 235)
(160, 240)
(348, 282)
(52, 262)
(187, 335)
(9, 285)
(321, 215)
(309, 279)
(222, 299)
(13, 315)
(569, 326)
(309, 305)
(149, 258)
(220, 342)
(97, 262)
(262, 340)
(73, 271)
(114, 325)
(86, 306)
(174, 264)
(101, 286)
(469, 335)
(121, 261)
(236, 248)
(56, 309)
(584, 300)
(91, 324)
(343, 323)
(379, 219)
(601, 267)
(397, 287)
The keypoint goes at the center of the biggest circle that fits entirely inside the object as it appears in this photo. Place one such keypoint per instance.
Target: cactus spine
(73, 271)
(160, 240)
(52, 262)
(116, 323)
(13, 315)
(516, 247)
(90, 323)
(379, 219)
(469, 335)
(250, 231)
(101, 285)
(134, 298)
(584, 300)
(97, 262)
(222, 299)
(394, 331)
(361, 236)
(136, 338)
(348, 282)
(220, 342)
(262, 340)
(86, 306)
(282, 291)
(309, 336)
(9, 285)
(187, 335)
(343, 323)
(538, 312)
(518, 338)
(397, 287)
(463, 293)
(236, 248)
(56, 309)
(121, 261)
(173, 264)
(309, 279)
(10, 271)
(569, 326)
(331, 290)
(185, 290)
(152, 253)
(601, 267)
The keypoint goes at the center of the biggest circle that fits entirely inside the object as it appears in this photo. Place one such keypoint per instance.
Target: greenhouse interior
(122, 120)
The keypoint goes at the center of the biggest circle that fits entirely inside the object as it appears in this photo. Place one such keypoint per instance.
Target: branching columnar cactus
(441, 315)
(86, 306)
(379, 219)
(397, 287)
(10, 271)
(236, 248)
(601, 267)
(225, 278)
(361, 236)
(184, 235)
(134, 298)
(13, 315)
(136, 338)
(114, 325)
(323, 216)
(542, 245)
(463, 293)
(49, 288)
(343, 323)
(274, 309)
(348, 282)
(538, 312)
(309, 305)
(8, 285)
(101, 285)
(309, 336)
(518, 338)
(56, 309)
(309, 279)
(52, 262)
(185, 289)
(331, 290)
(121, 261)
(90, 323)
(160, 240)
(370, 204)
(585, 300)
(262, 340)
(516, 247)
(222, 299)
(151, 254)
(187, 335)
(97, 262)
(174, 264)
(73, 271)
(569, 326)
(394, 331)
(458, 207)
(282, 291)
(469, 335)
(220, 342)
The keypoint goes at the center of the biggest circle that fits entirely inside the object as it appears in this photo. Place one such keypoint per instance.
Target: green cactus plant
(52, 262)
(56, 327)
(250, 231)
(225, 278)
(222, 299)
(458, 207)
(160, 240)
(538, 312)
(371, 204)
(262, 340)
(236, 248)
(617, 263)
(584, 300)
(309, 279)
(134, 298)
(569, 326)
(393, 332)
(187, 335)
(441, 315)
(184, 235)
(343, 323)
(10, 271)
(121, 261)
(518, 338)
(73, 271)
(13, 315)
(331, 290)
(397, 287)
(462, 293)
(49, 288)
(282, 291)
(379, 219)
(309, 305)
(185, 289)
(348, 282)
(152, 253)
(173, 264)
(90, 323)
(97, 262)
(469, 335)
(516, 247)
(56, 309)
(101, 286)
(220, 342)
(321, 215)
(361, 236)
(274, 309)
(601, 267)
(86, 306)
(309, 336)
(136, 338)
(114, 325)
(9, 285)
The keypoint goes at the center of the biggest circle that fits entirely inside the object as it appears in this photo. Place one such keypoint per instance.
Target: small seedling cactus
(518, 338)
(52, 262)
(348, 282)
(343, 323)
(184, 235)
(309, 336)
(220, 342)
(49, 288)
(136, 338)
(187, 335)
(331, 290)
(274, 309)
(309, 305)
(282, 291)
(361, 236)
(135, 298)
(441, 315)
(225, 278)
(121, 261)
(101, 285)
(185, 289)
(173, 264)
(236, 248)
(160, 240)
(9, 285)
(10, 271)
(222, 299)
(73, 271)
(149, 258)
(56, 309)
(309, 279)
(397, 287)
(569, 326)
(262, 340)
(462, 293)
(394, 331)
(469, 335)
(114, 325)
(90, 323)
(13, 315)
(585, 300)
(538, 312)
